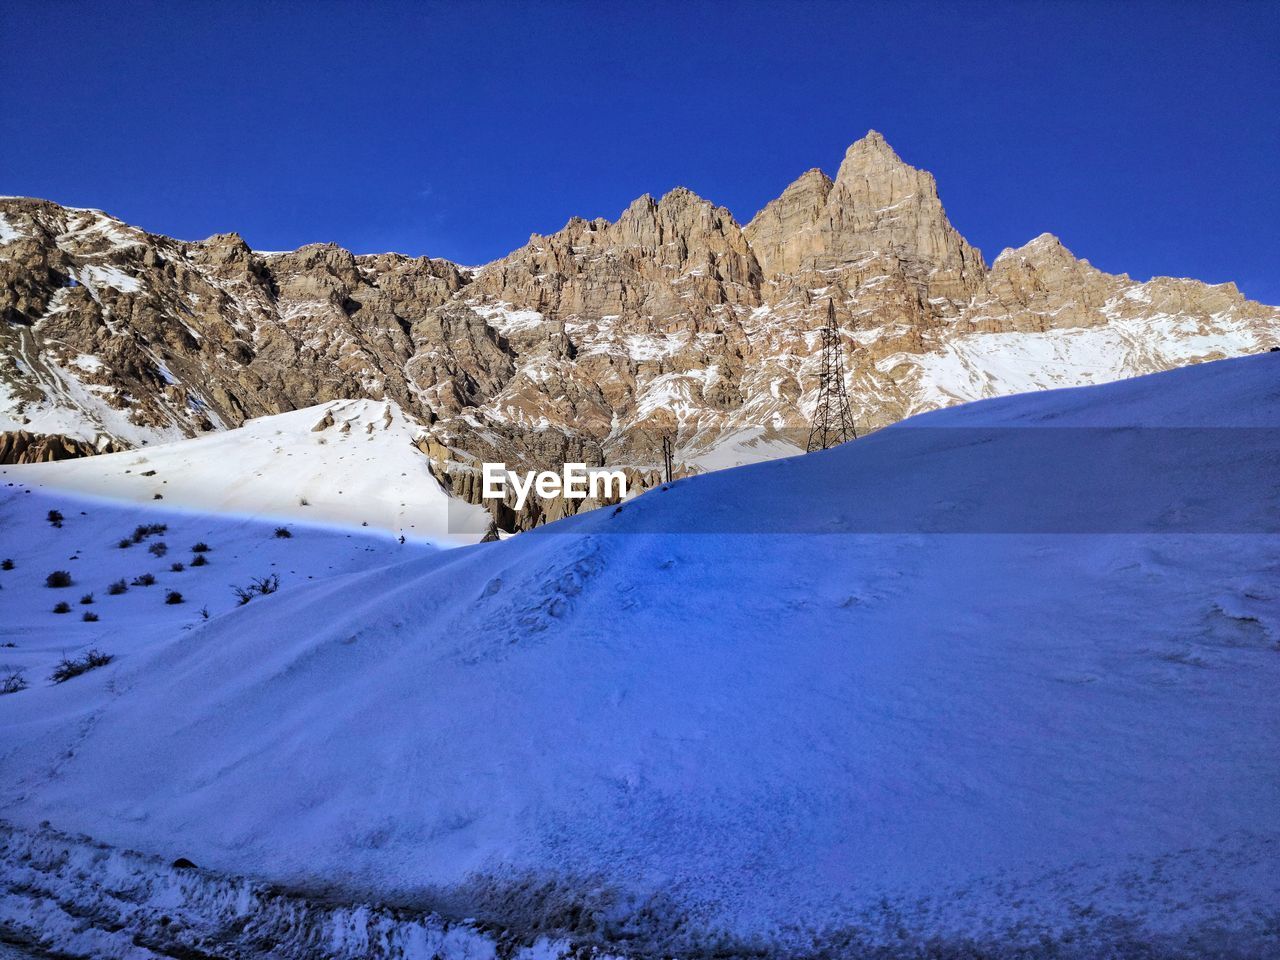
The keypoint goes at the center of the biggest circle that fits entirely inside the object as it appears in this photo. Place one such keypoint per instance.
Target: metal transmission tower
(832, 421)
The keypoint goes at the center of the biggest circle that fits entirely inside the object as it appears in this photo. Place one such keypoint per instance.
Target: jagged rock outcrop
(144, 337)
(879, 217)
(661, 259)
(19, 446)
(591, 344)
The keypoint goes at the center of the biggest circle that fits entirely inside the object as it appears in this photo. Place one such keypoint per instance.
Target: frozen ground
(815, 744)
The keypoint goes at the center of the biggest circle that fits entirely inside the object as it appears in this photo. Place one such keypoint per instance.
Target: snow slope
(837, 743)
(87, 545)
(978, 366)
(359, 467)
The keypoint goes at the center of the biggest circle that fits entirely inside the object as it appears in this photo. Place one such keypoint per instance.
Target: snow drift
(892, 743)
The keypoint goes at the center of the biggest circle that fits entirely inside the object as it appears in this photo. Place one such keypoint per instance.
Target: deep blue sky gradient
(1147, 136)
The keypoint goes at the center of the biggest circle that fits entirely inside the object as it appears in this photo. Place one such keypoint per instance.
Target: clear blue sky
(1147, 136)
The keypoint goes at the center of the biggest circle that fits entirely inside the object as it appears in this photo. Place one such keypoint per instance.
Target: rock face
(662, 258)
(19, 446)
(592, 344)
(110, 331)
(879, 214)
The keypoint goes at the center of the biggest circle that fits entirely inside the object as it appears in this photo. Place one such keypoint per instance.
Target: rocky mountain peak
(871, 153)
(680, 211)
(224, 249)
(879, 217)
(640, 208)
(815, 178)
(1044, 249)
(231, 239)
(680, 194)
(662, 258)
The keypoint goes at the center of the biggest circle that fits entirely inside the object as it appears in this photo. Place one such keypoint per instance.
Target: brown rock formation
(19, 446)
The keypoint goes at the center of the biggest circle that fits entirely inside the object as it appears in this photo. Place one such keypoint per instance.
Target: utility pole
(667, 451)
(832, 421)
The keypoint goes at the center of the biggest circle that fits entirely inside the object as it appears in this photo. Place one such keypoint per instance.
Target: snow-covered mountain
(807, 740)
(591, 344)
(347, 462)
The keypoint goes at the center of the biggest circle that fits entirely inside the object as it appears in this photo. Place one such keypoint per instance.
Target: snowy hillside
(978, 366)
(829, 743)
(100, 543)
(350, 462)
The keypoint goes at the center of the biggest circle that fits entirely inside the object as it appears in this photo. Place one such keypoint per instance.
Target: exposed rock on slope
(590, 344)
(113, 331)
(19, 446)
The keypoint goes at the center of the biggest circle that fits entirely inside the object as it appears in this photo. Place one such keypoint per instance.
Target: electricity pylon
(832, 421)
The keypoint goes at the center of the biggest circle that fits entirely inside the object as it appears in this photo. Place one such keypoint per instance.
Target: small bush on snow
(62, 607)
(144, 580)
(12, 683)
(68, 668)
(259, 586)
(173, 596)
(87, 598)
(118, 588)
(59, 578)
